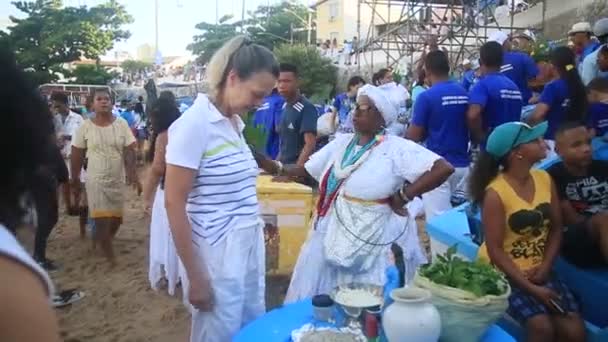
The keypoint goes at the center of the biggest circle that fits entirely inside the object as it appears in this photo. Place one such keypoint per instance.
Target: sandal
(67, 297)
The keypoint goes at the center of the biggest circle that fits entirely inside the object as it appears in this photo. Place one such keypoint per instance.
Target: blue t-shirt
(520, 68)
(499, 98)
(128, 116)
(468, 79)
(268, 116)
(556, 96)
(297, 119)
(344, 105)
(589, 49)
(597, 118)
(442, 112)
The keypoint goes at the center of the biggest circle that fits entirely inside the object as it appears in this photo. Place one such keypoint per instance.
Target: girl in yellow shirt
(522, 227)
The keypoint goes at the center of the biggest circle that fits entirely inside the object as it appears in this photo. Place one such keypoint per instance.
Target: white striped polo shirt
(223, 195)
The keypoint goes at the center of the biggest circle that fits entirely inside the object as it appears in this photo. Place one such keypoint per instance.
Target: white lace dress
(164, 261)
(388, 166)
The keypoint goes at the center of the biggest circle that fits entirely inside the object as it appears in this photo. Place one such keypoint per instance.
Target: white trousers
(237, 270)
(439, 200)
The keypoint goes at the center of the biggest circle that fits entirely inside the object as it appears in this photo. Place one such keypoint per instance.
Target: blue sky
(176, 20)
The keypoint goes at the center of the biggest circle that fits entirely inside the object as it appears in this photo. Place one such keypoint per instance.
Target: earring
(520, 157)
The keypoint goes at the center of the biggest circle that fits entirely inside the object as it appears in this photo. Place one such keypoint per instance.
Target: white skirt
(164, 262)
(313, 275)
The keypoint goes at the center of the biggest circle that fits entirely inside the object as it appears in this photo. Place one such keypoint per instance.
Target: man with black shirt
(582, 184)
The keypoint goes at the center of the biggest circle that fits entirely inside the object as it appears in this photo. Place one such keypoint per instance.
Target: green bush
(317, 74)
(254, 135)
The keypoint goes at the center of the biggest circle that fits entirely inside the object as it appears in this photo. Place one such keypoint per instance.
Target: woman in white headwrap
(366, 180)
(398, 96)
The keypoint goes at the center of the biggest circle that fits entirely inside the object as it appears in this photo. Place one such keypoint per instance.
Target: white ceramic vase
(411, 317)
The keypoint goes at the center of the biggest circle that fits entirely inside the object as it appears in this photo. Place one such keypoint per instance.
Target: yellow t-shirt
(527, 223)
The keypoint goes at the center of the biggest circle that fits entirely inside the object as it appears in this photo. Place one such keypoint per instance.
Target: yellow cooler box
(286, 209)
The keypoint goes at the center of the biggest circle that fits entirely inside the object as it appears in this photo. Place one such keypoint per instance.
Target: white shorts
(237, 269)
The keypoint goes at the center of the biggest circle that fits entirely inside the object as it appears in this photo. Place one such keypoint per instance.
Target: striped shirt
(223, 195)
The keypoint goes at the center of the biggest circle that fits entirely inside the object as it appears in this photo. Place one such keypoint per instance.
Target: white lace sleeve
(320, 160)
(410, 160)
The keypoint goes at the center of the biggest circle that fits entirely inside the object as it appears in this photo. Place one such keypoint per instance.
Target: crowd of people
(374, 173)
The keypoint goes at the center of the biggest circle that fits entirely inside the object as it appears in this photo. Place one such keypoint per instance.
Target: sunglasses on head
(522, 126)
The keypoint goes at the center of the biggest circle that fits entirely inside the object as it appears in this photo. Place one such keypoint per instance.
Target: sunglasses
(365, 108)
(522, 126)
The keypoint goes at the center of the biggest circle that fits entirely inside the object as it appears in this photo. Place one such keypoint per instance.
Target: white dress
(164, 262)
(389, 165)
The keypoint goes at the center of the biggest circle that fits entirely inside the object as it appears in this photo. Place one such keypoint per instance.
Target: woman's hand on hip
(201, 293)
(397, 204)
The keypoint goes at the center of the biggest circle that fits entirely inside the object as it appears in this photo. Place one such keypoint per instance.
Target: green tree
(267, 25)
(278, 24)
(317, 74)
(91, 74)
(212, 38)
(51, 35)
(132, 66)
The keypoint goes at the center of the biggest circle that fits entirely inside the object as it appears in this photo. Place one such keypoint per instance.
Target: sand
(119, 303)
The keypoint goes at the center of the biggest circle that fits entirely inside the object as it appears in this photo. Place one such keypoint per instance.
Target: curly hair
(27, 134)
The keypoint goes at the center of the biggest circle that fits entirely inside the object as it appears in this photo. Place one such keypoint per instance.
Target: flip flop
(67, 297)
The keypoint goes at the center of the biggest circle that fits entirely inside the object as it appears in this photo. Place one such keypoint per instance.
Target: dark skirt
(523, 305)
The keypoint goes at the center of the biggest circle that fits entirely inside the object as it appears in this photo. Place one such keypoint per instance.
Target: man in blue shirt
(580, 34)
(126, 113)
(268, 116)
(516, 65)
(344, 104)
(298, 127)
(589, 68)
(494, 99)
(439, 119)
(468, 75)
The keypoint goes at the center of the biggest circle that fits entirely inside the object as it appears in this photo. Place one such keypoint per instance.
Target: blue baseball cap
(508, 136)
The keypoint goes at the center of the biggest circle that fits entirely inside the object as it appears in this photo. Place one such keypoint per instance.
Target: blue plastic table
(277, 325)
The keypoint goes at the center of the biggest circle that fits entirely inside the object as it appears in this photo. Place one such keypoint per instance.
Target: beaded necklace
(330, 184)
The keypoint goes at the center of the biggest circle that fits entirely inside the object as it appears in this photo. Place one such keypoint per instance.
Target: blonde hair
(240, 55)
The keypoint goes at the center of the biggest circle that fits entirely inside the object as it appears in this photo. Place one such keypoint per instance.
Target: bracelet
(403, 195)
(280, 168)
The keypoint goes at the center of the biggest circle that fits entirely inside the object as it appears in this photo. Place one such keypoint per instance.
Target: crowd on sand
(376, 168)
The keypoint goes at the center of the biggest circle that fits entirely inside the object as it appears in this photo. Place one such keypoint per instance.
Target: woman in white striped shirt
(211, 197)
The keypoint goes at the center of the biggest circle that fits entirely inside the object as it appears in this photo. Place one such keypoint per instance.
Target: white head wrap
(382, 101)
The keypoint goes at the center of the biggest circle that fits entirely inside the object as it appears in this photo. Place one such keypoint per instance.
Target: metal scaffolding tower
(407, 28)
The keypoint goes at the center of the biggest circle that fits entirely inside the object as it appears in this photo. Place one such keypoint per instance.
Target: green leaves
(131, 66)
(91, 74)
(270, 26)
(476, 277)
(212, 38)
(51, 35)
